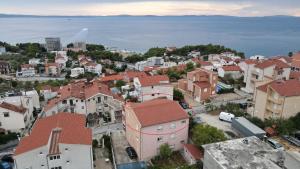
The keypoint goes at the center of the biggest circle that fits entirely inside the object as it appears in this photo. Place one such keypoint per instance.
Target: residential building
(14, 118)
(152, 61)
(61, 60)
(232, 71)
(200, 83)
(80, 45)
(92, 99)
(257, 57)
(191, 154)
(153, 123)
(246, 153)
(52, 69)
(2, 50)
(277, 99)
(82, 59)
(34, 61)
(194, 54)
(75, 72)
(4, 67)
(53, 44)
(93, 68)
(151, 87)
(48, 92)
(27, 70)
(203, 64)
(264, 72)
(126, 76)
(296, 62)
(56, 142)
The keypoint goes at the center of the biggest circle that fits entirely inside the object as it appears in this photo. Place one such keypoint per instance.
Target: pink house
(152, 123)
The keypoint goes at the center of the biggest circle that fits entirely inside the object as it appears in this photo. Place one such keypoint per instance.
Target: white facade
(2, 50)
(152, 61)
(34, 61)
(72, 156)
(26, 72)
(75, 72)
(233, 74)
(97, 68)
(257, 57)
(14, 121)
(164, 89)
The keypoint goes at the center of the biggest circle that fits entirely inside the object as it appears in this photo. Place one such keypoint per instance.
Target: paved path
(107, 128)
(100, 162)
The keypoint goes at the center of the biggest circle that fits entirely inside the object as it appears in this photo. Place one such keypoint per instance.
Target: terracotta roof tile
(73, 131)
(267, 63)
(202, 84)
(251, 61)
(27, 66)
(284, 88)
(295, 75)
(153, 80)
(158, 111)
(8, 106)
(194, 150)
(231, 68)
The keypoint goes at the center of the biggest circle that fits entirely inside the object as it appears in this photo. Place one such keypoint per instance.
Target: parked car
(131, 152)
(275, 144)
(226, 116)
(7, 158)
(184, 105)
(292, 140)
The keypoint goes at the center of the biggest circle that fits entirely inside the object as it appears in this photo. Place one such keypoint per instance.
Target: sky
(152, 7)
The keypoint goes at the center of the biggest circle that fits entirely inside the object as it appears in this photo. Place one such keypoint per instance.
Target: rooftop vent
(245, 141)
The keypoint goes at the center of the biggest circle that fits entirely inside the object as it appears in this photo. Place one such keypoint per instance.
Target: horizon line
(35, 15)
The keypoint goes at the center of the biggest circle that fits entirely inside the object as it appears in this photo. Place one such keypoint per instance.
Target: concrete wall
(152, 92)
(291, 106)
(14, 122)
(260, 99)
(209, 162)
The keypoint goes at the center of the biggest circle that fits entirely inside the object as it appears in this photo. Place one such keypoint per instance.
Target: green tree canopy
(190, 67)
(120, 83)
(165, 151)
(134, 58)
(155, 52)
(205, 134)
(177, 95)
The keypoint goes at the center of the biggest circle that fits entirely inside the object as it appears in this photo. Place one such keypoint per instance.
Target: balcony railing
(275, 100)
(274, 110)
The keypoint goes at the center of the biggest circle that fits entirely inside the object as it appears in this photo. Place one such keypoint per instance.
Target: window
(82, 107)
(160, 138)
(173, 126)
(88, 100)
(105, 97)
(41, 153)
(152, 94)
(51, 158)
(58, 157)
(152, 87)
(76, 101)
(160, 128)
(6, 114)
(81, 100)
(64, 102)
(66, 149)
(183, 121)
(93, 98)
(182, 141)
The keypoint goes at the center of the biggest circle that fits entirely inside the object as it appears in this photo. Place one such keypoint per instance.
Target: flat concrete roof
(245, 153)
(253, 128)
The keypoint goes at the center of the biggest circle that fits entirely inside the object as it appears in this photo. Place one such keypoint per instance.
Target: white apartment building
(58, 142)
(14, 118)
(151, 87)
(2, 50)
(93, 68)
(75, 72)
(88, 98)
(34, 61)
(27, 70)
(263, 72)
(152, 61)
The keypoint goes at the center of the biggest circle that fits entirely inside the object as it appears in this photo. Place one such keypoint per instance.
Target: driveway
(100, 163)
(120, 143)
(213, 120)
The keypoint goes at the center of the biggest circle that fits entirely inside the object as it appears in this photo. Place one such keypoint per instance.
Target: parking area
(213, 120)
(120, 143)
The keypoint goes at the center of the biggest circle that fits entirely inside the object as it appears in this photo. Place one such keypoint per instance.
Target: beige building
(277, 99)
(264, 72)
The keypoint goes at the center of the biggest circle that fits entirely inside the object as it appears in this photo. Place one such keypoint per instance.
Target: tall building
(153, 123)
(57, 142)
(277, 99)
(53, 44)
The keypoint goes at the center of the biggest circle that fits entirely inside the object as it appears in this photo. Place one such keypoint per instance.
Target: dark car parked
(131, 152)
(184, 105)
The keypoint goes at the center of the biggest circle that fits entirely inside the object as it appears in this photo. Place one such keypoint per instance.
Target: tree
(165, 151)
(94, 47)
(205, 134)
(290, 54)
(120, 83)
(155, 52)
(134, 58)
(177, 95)
(190, 67)
(95, 143)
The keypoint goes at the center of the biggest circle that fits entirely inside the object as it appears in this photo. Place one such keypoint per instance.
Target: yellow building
(277, 99)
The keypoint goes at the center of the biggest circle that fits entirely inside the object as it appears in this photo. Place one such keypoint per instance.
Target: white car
(226, 116)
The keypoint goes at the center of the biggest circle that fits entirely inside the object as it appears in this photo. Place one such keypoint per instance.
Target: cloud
(152, 7)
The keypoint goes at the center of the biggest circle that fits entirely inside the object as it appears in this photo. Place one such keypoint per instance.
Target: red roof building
(192, 154)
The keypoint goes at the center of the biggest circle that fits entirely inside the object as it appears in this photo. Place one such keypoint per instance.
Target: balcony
(275, 100)
(274, 110)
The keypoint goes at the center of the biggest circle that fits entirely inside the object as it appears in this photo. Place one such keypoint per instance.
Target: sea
(268, 36)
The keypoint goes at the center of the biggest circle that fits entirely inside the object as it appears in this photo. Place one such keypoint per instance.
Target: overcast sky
(152, 7)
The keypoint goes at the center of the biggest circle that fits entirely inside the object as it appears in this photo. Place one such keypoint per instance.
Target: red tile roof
(201, 62)
(27, 66)
(123, 76)
(295, 75)
(153, 80)
(231, 68)
(8, 106)
(158, 111)
(52, 64)
(267, 63)
(284, 88)
(251, 61)
(73, 131)
(202, 84)
(194, 150)
(296, 60)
